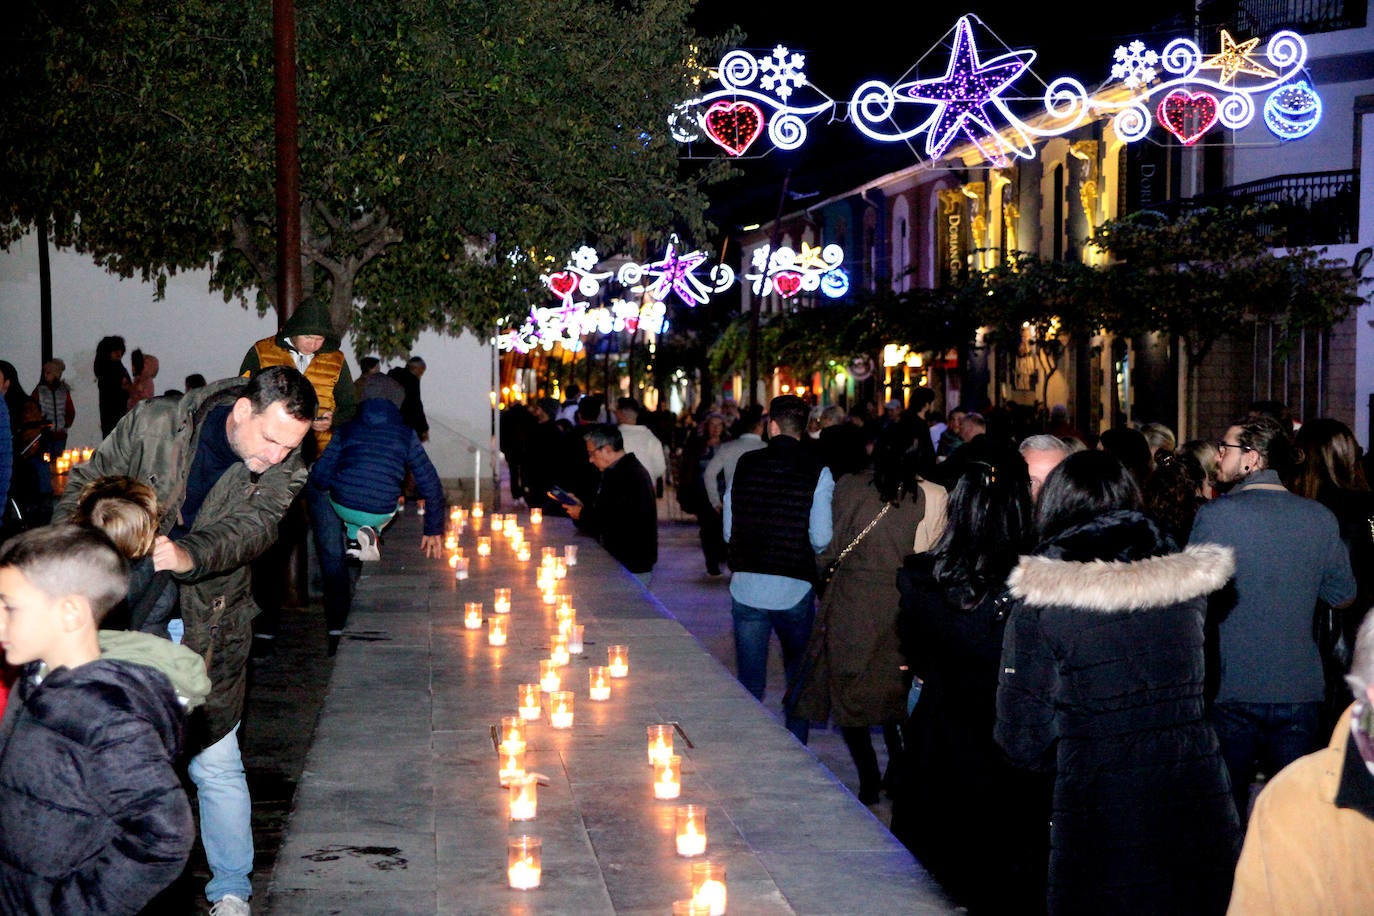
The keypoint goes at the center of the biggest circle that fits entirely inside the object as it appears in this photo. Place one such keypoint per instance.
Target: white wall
(194, 330)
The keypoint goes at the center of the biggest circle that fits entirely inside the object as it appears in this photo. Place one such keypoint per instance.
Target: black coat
(93, 818)
(623, 515)
(1102, 682)
(958, 790)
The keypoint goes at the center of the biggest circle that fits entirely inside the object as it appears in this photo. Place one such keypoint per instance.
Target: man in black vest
(777, 518)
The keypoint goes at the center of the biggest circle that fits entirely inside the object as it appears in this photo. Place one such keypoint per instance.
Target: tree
(448, 147)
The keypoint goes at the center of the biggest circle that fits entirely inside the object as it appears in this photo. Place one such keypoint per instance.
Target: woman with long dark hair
(880, 514)
(112, 380)
(958, 792)
(1102, 684)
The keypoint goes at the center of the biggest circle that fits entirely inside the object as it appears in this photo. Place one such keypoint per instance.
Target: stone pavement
(398, 808)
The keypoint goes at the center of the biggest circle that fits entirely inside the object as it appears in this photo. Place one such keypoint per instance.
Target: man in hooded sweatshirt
(308, 343)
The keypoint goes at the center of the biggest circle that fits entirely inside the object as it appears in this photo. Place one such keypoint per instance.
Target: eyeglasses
(1223, 445)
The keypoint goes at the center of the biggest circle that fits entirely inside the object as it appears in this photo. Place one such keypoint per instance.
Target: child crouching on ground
(93, 818)
(126, 510)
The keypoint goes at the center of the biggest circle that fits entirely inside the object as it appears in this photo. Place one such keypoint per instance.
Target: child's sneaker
(353, 550)
(367, 544)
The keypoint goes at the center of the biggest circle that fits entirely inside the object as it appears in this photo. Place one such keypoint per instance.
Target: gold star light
(1235, 58)
(811, 257)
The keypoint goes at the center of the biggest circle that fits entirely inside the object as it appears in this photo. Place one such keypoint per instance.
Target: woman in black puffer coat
(1102, 683)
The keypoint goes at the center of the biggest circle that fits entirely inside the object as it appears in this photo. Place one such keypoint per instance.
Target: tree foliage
(450, 149)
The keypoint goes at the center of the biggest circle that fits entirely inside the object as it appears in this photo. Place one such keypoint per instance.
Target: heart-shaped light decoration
(787, 284)
(734, 126)
(563, 283)
(1188, 115)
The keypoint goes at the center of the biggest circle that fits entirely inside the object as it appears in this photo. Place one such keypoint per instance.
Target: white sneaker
(229, 905)
(367, 545)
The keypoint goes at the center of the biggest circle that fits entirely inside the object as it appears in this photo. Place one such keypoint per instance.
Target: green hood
(312, 317)
(184, 668)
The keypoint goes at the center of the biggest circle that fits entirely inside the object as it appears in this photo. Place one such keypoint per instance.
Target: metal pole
(774, 240)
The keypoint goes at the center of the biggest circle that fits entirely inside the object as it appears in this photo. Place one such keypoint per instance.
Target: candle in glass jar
(598, 683)
(536, 516)
(575, 639)
(484, 546)
(690, 908)
(668, 778)
(690, 821)
(476, 511)
(550, 596)
(502, 603)
(512, 764)
(529, 695)
(560, 569)
(570, 554)
(549, 678)
(522, 553)
(460, 566)
(558, 649)
(513, 729)
(660, 743)
(496, 630)
(708, 886)
(524, 799)
(523, 862)
(561, 709)
(618, 660)
(472, 615)
(451, 542)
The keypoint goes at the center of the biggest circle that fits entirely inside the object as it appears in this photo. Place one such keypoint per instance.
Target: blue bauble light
(1293, 111)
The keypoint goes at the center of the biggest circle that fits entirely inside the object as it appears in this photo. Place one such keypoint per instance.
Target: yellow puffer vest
(322, 373)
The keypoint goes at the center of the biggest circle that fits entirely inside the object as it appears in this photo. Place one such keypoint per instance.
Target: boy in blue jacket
(363, 471)
(93, 818)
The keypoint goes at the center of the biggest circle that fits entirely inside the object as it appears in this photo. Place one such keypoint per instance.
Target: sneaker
(229, 905)
(367, 545)
(353, 550)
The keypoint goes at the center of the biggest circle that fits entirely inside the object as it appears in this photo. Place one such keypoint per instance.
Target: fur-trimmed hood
(1102, 585)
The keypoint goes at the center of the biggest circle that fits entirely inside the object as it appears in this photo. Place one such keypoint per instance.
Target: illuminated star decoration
(962, 97)
(677, 273)
(1235, 58)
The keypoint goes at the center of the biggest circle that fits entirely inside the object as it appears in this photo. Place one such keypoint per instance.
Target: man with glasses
(1289, 555)
(623, 515)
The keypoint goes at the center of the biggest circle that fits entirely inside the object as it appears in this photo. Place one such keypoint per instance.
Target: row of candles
(69, 459)
(524, 853)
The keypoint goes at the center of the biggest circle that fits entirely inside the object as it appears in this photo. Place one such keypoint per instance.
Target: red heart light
(734, 126)
(787, 284)
(1188, 115)
(563, 283)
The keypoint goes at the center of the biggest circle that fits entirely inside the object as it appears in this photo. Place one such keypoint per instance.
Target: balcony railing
(1314, 208)
(1265, 17)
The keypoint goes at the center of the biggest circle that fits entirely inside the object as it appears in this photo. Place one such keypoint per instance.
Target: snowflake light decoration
(736, 115)
(1191, 103)
(578, 276)
(787, 273)
(1135, 65)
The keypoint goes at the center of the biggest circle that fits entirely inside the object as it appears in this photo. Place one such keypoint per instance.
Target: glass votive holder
(598, 683)
(536, 516)
(550, 596)
(524, 797)
(689, 827)
(668, 778)
(484, 546)
(558, 649)
(560, 569)
(575, 638)
(660, 743)
(496, 630)
(565, 606)
(708, 886)
(690, 908)
(472, 615)
(561, 709)
(529, 696)
(618, 660)
(513, 730)
(512, 764)
(476, 511)
(451, 542)
(570, 554)
(565, 624)
(522, 553)
(502, 603)
(546, 554)
(523, 862)
(549, 677)
(460, 566)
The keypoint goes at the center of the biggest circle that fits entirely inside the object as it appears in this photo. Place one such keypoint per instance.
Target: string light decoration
(1191, 104)
(756, 93)
(788, 273)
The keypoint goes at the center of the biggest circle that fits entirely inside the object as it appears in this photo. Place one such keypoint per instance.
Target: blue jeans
(335, 582)
(226, 817)
(1263, 736)
(753, 628)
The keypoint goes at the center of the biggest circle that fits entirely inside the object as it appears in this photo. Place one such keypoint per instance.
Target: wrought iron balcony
(1313, 208)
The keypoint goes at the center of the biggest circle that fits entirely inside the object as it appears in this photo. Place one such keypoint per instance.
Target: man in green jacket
(225, 463)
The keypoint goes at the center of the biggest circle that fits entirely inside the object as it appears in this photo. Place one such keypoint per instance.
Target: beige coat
(1302, 854)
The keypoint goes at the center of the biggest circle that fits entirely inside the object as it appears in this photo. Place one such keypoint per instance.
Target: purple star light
(677, 272)
(963, 94)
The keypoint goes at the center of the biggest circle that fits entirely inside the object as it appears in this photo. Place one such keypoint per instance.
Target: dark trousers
(273, 573)
(709, 524)
(327, 530)
(1263, 736)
